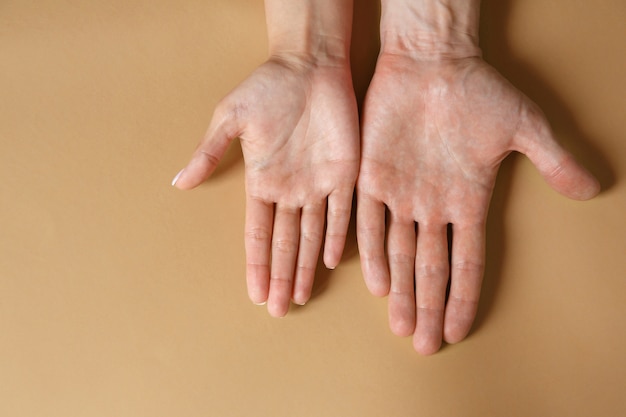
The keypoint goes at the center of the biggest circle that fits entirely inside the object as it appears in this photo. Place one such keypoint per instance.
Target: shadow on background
(323, 274)
(495, 17)
(232, 157)
(363, 56)
(365, 45)
(497, 52)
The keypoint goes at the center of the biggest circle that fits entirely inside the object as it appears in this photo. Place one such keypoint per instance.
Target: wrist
(429, 29)
(312, 31)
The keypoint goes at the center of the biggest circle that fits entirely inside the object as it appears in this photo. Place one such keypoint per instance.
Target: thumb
(557, 166)
(222, 130)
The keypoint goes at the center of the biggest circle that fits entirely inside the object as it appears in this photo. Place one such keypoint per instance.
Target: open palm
(298, 127)
(434, 135)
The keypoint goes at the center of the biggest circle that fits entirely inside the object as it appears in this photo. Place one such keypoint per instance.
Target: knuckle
(431, 271)
(335, 235)
(230, 109)
(373, 258)
(464, 301)
(313, 209)
(311, 237)
(338, 213)
(257, 234)
(257, 270)
(280, 279)
(285, 209)
(367, 230)
(285, 245)
(468, 267)
(305, 269)
(556, 171)
(212, 159)
(401, 258)
(430, 310)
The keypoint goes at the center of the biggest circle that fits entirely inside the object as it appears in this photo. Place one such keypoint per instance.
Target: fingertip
(376, 275)
(591, 189)
(574, 181)
(401, 328)
(378, 286)
(257, 296)
(278, 311)
(331, 259)
(258, 284)
(192, 175)
(303, 287)
(378, 291)
(426, 346)
(455, 333)
(557, 166)
(302, 293)
(400, 331)
(175, 180)
(401, 311)
(334, 245)
(560, 169)
(300, 301)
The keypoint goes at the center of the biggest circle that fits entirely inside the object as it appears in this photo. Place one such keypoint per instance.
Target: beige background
(121, 296)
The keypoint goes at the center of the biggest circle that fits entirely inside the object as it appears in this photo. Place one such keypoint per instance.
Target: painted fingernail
(175, 180)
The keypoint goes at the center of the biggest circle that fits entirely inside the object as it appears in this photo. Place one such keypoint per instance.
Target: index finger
(370, 232)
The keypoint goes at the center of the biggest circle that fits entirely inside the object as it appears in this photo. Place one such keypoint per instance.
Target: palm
(446, 137)
(434, 134)
(298, 127)
(300, 140)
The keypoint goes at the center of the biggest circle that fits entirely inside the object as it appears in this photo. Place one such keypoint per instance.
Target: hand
(434, 135)
(298, 125)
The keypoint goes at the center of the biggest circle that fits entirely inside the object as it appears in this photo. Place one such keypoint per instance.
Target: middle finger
(431, 276)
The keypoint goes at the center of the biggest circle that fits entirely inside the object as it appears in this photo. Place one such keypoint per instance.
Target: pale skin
(437, 123)
(296, 117)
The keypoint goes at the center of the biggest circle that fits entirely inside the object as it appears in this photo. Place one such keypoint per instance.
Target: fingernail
(260, 304)
(177, 177)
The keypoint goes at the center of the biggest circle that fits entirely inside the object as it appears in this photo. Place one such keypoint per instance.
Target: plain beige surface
(121, 296)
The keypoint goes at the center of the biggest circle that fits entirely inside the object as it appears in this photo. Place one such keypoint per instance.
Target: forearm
(430, 29)
(315, 30)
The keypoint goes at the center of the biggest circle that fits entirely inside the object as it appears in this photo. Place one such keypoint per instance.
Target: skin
(437, 123)
(296, 117)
